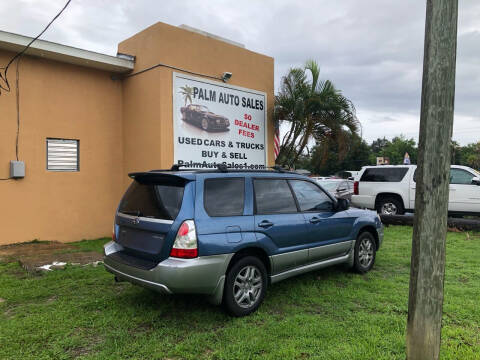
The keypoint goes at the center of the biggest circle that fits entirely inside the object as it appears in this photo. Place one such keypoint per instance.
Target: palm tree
(187, 92)
(315, 110)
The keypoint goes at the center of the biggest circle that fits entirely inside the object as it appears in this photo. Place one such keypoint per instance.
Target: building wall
(63, 101)
(148, 108)
(123, 126)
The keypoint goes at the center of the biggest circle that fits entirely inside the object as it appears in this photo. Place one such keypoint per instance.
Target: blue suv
(229, 234)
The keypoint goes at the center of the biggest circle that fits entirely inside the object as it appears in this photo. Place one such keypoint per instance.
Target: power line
(6, 85)
(4, 74)
(17, 98)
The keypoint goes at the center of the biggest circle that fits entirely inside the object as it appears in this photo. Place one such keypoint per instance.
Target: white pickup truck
(390, 189)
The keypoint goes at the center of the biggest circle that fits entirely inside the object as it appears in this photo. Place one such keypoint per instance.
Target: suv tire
(245, 286)
(390, 205)
(365, 252)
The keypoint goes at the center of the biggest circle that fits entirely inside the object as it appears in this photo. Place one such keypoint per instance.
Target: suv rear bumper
(202, 275)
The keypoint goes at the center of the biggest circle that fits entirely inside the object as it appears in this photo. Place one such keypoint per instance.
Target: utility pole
(433, 176)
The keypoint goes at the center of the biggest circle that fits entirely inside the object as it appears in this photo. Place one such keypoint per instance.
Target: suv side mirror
(342, 204)
(476, 180)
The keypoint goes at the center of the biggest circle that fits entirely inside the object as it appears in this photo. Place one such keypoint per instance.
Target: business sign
(383, 160)
(215, 124)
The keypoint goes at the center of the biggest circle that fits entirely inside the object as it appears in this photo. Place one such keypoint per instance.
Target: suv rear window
(224, 197)
(273, 197)
(384, 174)
(152, 201)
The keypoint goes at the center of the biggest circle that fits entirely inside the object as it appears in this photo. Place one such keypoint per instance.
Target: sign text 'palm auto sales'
(215, 123)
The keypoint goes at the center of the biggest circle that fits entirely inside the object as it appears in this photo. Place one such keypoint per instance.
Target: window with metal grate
(63, 155)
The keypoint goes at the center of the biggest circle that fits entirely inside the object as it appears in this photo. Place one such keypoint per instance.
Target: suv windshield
(152, 200)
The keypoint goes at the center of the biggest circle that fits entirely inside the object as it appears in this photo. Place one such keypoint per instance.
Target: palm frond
(315, 109)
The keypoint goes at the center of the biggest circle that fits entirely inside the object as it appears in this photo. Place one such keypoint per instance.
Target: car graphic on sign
(201, 116)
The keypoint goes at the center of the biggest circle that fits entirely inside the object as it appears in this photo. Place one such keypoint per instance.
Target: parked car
(340, 188)
(231, 234)
(390, 189)
(347, 174)
(319, 178)
(200, 116)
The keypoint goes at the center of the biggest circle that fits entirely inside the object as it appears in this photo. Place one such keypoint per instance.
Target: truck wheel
(205, 124)
(245, 286)
(390, 206)
(365, 252)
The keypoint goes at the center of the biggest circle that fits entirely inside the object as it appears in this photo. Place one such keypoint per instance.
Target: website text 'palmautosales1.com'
(213, 165)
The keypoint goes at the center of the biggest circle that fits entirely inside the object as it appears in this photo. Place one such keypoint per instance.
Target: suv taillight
(185, 244)
(114, 238)
(355, 188)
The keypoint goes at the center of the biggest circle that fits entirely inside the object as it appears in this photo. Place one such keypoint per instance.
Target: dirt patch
(9, 313)
(141, 328)
(17, 272)
(33, 256)
(51, 299)
(87, 348)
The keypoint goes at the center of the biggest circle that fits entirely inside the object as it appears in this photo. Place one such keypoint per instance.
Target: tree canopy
(314, 111)
(323, 130)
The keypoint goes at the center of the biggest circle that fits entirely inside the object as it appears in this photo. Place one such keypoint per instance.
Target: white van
(390, 189)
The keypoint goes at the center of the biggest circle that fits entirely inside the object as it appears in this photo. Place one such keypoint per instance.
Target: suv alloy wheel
(245, 286)
(365, 251)
(389, 206)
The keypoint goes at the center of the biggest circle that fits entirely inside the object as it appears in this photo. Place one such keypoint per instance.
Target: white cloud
(372, 50)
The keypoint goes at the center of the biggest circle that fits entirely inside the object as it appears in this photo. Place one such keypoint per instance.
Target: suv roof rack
(176, 167)
(277, 168)
(225, 169)
(222, 168)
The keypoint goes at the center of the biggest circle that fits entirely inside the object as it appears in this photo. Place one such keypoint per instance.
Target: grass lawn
(328, 314)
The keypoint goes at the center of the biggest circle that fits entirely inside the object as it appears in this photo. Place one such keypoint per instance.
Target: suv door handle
(265, 224)
(315, 220)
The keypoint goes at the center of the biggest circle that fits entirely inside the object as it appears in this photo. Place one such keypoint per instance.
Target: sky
(371, 50)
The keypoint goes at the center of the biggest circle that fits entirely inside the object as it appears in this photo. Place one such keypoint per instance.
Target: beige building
(86, 122)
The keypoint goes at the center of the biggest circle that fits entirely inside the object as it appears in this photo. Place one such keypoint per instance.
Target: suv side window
(459, 176)
(273, 196)
(310, 197)
(224, 197)
(386, 174)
